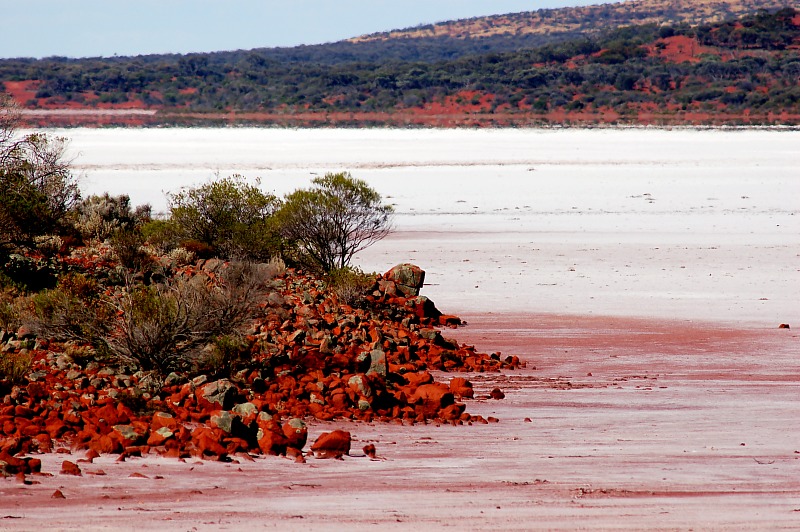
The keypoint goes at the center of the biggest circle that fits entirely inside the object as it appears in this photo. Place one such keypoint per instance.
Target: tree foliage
(37, 187)
(334, 220)
(230, 215)
(610, 67)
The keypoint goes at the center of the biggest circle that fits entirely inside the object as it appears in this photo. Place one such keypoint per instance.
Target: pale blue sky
(89, 28)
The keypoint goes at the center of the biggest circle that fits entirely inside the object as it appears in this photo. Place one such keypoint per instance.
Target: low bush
(128, 246)
(230, 216)
(165, 327)
(99, 217)
(14, 367)
(72, 311)
(83, 355)
(10, 315)
(350, 285)
(162, 235)
(29, 273)
(326, 225)
(223, 357)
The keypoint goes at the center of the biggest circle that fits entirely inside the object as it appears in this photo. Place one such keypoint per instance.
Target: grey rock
(221, 392)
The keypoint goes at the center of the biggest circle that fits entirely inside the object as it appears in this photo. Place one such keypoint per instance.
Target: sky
(92, 28)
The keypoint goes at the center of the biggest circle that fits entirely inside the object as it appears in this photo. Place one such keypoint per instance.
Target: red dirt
(679, 49)
(21, 91)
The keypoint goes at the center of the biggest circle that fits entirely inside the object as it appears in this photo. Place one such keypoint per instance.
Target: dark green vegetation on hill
(745, 67)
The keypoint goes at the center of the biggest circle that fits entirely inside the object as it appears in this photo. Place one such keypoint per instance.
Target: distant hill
(551, 25)
(649, 61)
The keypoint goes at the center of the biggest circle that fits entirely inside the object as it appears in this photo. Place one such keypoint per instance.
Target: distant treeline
(747, 65)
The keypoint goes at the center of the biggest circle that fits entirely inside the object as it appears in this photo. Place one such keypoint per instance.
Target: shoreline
(607, 428)
(142, 117)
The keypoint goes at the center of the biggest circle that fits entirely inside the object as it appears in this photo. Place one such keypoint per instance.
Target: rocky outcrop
(312, 357)
(406, 280)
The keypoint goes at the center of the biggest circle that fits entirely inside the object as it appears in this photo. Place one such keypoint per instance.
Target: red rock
(408, 278)
(497, 393)
(12, 465)
(37, 391)
(33, 465)
(43, 443)
(159, 437)
(296, 433)
(57, 495)
(217, 395)
(418, 379)
(131, 434)
(163, 419)
(70, 468)
(461, 387)
(332, 444)
(207, 441)
(434, 396)
(23, 411)
(784, 326)
(448, 320)
(273, 443)
(56, 429)
(369, 450)
(105, 444)
(109, 415)
(293, 453)
(452, 412)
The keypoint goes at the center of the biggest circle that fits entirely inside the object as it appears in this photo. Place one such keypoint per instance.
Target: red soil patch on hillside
(21, 91)
(678, 49)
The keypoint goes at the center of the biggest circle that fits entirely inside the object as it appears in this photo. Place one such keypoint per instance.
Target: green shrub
(198, 249)
(223, 356)
(100, 217)
(82, 355)
(161, 235)
(73, 310)
(128, 246)
(28, 273)
(10, 315)
(37, 188)
(14, 367)
(231, 216)
(350, 285)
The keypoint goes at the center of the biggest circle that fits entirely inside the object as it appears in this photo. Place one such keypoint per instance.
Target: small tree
(230, 215)
(37, 188)
(334, 220)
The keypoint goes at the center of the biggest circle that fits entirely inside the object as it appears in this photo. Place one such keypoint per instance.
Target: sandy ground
(644, 293)
(622, 424)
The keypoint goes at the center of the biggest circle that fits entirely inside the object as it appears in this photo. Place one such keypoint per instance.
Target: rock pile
(313, 357)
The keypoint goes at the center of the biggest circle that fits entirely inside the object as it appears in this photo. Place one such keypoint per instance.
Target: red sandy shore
(622, 424)
(422, 118)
